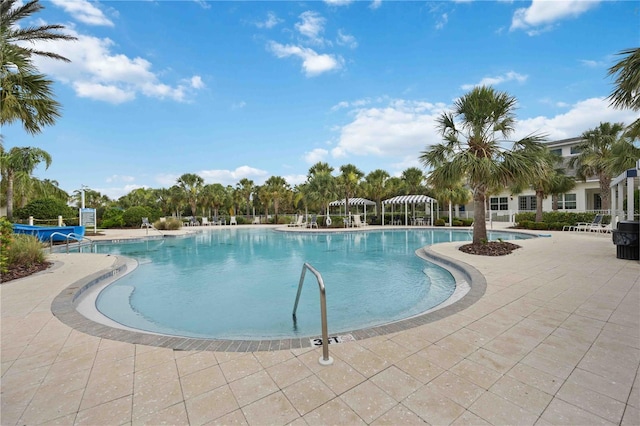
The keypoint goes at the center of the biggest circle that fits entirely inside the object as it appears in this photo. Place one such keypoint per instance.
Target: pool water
(242, 283)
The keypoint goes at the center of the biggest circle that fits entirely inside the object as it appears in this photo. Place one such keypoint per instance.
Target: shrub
(467, 222)
(46, 208)
(26, 250)
(171, 224)
(6, 238)
(456, 222)
(112, 218)
(440, 222)
(132, 216)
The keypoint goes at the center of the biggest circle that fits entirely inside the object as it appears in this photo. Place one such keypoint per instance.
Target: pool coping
(64, 307)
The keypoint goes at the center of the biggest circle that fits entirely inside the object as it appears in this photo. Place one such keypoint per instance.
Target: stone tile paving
(554, 340)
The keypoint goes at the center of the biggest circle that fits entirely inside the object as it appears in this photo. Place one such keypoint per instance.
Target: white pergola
(631, 180)
(354, 202)
(410, 199)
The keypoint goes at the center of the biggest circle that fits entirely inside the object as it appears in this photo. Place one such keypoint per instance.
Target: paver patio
(554, 340)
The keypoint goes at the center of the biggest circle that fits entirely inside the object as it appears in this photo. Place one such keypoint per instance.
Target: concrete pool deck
(554, 340)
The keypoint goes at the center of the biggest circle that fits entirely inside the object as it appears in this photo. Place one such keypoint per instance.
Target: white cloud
(98, 73)
(592, 64)
(271, 21)
(313, 63)
(403, 128)
(494, 81)
(84, 11)
(116, 192)
(294, 180)
(582, 116)
(444, 18)
(375, 4)
(318, 154)
(348, 40)
(232, 177)
(119, 178)
(542, 14)
(311, 26)
(338, 2)
(238, 105)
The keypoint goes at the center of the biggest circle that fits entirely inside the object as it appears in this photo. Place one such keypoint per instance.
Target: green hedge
(556, 220)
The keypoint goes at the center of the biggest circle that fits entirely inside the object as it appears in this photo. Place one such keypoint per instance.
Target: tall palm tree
(279, 191)
(246, 188)
(413, 179)
(452, 194)
(321, 188)
(627, 81)
(375, 186)
(191, 184)
(19, 162)
(472, 150)
(596, 157)
(561, 183)
(348, 181)
(26, 95)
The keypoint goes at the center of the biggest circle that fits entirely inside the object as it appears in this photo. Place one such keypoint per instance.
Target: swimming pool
(241, 283)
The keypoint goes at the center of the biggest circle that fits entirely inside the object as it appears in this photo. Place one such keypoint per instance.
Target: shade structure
(354, 202)
(406, 200)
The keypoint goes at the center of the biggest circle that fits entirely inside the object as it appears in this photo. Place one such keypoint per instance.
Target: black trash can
(627, 240)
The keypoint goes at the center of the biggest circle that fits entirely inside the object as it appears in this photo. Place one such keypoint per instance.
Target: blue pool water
(242, 283)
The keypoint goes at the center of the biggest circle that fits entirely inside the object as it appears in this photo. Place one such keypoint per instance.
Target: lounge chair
(216, 221)
(357, 222)
(256, 220)
(584, 226)
(205, 221)
(313, 222)
(146, 223)
(233, 221)
(299, 222)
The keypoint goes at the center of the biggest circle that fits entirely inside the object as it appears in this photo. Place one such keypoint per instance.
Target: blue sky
(233, 90)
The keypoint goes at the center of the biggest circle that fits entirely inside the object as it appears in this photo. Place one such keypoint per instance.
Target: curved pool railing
(69, 236)
(325, 359)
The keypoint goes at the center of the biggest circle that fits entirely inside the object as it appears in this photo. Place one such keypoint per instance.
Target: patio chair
(233, 221)
(313, 222)
(193, 221)
(217, 221)
(299, 222)
(205, 221)
(357, 222)
(584, 226)
(256, 220)
(146, 223)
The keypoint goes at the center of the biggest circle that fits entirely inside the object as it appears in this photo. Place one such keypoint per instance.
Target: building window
(527, 202)
(597, 202)
(567, 202)
(556, 151)
(499, 203)
(575, 150)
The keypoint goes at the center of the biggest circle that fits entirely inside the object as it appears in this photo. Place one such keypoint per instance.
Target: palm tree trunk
(10, 194)
(605, 192)
(479, 224)
(539, 200)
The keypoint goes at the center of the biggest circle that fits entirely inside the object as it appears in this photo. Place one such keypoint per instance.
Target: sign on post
(88, 218)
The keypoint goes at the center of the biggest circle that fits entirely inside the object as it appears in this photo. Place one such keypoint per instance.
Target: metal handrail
(325, 359)
(76, 237)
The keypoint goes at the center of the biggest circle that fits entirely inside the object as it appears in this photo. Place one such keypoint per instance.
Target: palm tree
(348, 182)
(453, 194)
(321, 188)
(627, 80)
(596, 157)
(375, 187)
(246, 188)
(561, 183)
(19, 162)
(26, 95)
(413, 179)
(278, 190)
(191, 184)
(472, 151)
